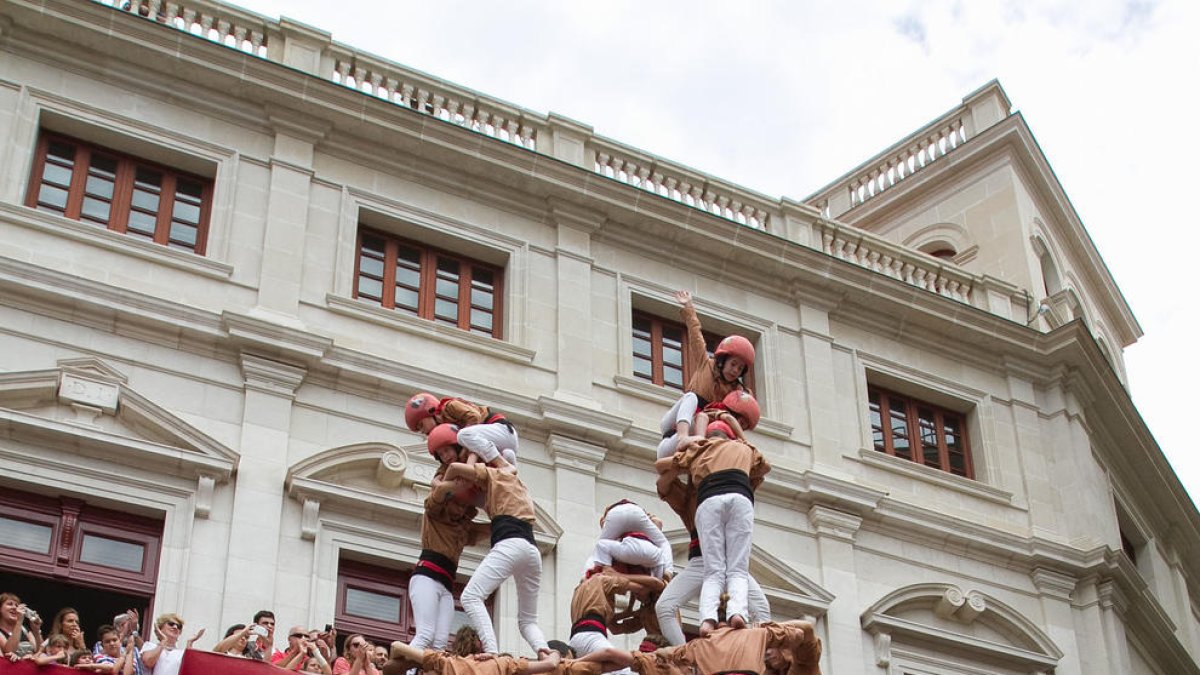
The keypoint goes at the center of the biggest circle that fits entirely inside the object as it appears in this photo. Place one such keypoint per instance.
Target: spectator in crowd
(323, 642)
(66, 622)
(298, 650)
(166, 655)
(108, 647)
(315, 661)
(82, 659)
(54, 651)
(237, 643)
(379, 656)
(266, 644)
(316, 664)
(355, 661)
(16, 640)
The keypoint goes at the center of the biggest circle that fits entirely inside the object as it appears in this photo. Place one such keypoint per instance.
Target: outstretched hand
(683, 297)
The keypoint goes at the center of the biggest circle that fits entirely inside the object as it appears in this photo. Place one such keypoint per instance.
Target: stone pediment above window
(942, 619)
(378, 484)
(85, 408)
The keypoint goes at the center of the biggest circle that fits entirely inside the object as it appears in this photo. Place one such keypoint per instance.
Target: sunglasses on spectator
(299, 635)
(173, 624)
(354, 645)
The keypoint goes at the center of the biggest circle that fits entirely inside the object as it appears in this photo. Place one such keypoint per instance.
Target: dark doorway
(96, 607)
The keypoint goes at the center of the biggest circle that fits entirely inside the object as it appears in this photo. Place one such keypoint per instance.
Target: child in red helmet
(446, 528)
(726, 472)
(486, 433)
(514, 552)
(713, 379)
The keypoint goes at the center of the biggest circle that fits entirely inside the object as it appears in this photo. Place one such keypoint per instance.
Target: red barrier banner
(195, 662)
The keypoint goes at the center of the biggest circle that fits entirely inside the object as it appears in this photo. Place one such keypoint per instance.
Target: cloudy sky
(783, 97)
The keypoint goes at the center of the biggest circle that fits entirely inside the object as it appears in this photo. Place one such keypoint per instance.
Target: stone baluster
(670, 183)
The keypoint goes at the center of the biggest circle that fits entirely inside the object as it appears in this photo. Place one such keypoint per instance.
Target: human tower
(707, 473)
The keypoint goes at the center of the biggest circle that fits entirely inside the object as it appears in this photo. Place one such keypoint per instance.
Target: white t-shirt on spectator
(169, 660)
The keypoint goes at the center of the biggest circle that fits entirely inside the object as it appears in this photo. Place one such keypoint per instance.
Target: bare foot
(707, 626)
(736, 621)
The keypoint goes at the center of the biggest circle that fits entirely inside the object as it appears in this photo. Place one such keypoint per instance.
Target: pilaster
(1056, 591)
(302, 47)
(287, 216)
(836, 532)
(574, 286)
(820, 391)
(576, 465)
(568, 141)
(258, 498)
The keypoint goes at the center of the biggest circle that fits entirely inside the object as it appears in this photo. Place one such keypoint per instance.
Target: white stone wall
(259, 347)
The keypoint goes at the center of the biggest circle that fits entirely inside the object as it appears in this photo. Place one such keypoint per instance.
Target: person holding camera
(300, 650)
(16, 641)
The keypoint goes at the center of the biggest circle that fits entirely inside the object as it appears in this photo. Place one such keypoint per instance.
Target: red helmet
(742, 403)
(736, 345)
(418, 408)
(441, 436)
(720, 426)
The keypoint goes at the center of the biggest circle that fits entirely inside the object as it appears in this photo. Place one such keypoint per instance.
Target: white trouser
(725, 524)
(516, 558)
(685, 586)
(684, 410)
(489, 441)
(433, 612)
(630, 550)
(587, 642)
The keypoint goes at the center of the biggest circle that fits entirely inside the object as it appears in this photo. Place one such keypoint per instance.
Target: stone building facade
(231, 247)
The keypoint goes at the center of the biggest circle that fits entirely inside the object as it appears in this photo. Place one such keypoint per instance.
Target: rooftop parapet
(812, 223)
(980, 109)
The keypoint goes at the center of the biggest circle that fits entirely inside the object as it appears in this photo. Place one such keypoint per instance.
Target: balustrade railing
(223, 24)
(678, 183)
(388, 81)
(428, 95)
(911, 267)
(927, 145)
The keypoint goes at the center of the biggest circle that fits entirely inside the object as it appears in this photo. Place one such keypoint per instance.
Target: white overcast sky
(784, 97)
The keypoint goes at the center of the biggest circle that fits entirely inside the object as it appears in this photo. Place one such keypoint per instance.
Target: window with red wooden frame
(69, 540)
(373, 600)
(662, 355)
(911, 429)
(430, 283)
(91, 184)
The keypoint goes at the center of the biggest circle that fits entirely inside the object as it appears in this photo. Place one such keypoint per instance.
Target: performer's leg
(527, 572)
(682, 588)
(495, 567)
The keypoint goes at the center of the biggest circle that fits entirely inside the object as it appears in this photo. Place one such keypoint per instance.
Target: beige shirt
(446, 523)
(447, 664)
(594, 595)
(718, 454)
(504, 493)
(729, 649)
(463, 413)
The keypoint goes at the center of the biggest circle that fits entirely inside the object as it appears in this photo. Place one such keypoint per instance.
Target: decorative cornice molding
(1053, 584)
(834, 524)
(582, 423)
(270, 338)
(576, 455)
(271, 377)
